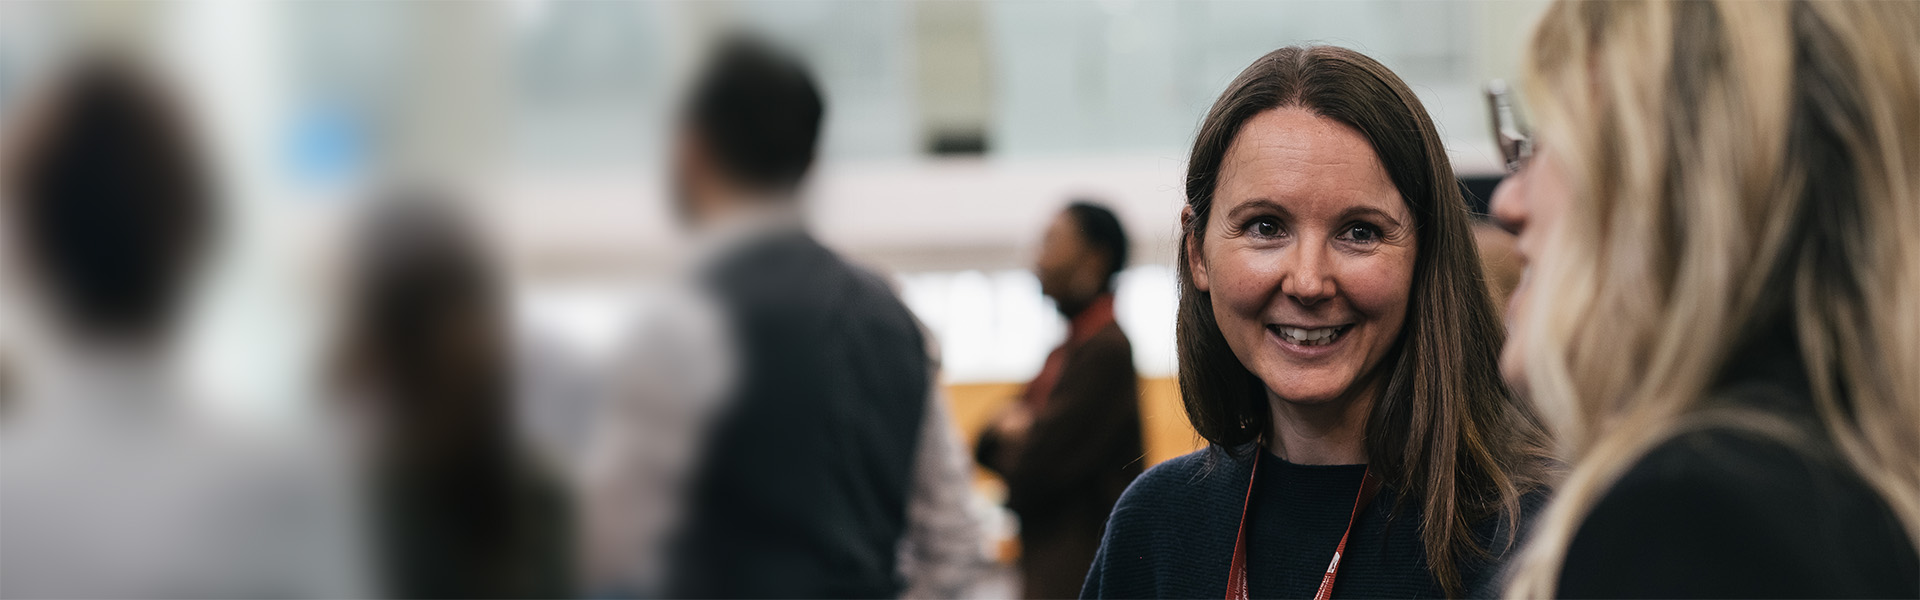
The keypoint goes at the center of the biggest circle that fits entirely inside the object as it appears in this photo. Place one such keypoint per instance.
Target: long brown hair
(426, 337)
(1446, 431)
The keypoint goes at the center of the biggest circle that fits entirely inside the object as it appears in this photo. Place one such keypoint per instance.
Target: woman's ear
(1190, 236)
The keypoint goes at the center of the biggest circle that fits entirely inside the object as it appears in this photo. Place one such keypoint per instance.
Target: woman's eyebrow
(1256, 204)
(1358, 211)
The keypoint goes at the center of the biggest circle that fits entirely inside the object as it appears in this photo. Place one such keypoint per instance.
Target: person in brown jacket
(1071, 444)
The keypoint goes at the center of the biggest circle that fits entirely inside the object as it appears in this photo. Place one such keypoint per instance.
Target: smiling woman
(1308, 268)
(1337, 345)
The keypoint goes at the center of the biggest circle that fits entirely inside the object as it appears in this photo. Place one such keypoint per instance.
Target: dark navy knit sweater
(1172, 534)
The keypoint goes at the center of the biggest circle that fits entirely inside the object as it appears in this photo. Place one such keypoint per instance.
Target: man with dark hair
(112, 204)
(824, 466)
(748, 131)
(1071, 444)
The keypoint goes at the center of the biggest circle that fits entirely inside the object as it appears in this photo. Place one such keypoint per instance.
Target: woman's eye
(1264, 227)
(1361, 233)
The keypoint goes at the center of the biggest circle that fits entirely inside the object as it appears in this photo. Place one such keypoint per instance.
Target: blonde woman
(1722, 315)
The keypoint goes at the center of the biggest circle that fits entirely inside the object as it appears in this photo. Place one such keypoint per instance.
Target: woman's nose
(1306, 276)
(1509, 205)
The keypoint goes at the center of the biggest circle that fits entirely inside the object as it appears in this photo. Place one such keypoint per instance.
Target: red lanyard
(1237, 574)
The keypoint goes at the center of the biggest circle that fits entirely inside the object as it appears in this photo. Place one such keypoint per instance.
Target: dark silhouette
(1071, 444)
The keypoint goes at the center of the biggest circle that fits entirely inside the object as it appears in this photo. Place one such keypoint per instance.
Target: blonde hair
(1733, 165)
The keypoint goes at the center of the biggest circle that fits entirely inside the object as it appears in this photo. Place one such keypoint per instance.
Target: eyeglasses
(1516, 145)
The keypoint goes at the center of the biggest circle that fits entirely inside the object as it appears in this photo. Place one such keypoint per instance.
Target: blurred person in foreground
(112, 483)
(1071, 444)
(460, 508)
(1338, 350)
(786, 397)
(1721, 215)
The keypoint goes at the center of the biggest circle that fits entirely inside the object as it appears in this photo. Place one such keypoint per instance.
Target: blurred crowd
(774, 424)
(771, 428)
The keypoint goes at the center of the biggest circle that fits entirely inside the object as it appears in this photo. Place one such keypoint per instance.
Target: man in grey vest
(824, 435)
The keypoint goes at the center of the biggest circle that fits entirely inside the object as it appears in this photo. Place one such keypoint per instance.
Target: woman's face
(1307, 254)
(1529, 203)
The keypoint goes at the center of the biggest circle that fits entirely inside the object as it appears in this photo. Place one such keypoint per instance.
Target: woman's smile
(1310, 344)
(1309, 336)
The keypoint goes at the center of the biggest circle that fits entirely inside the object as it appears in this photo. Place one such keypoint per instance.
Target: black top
(1296, 520)
(1172, 534)
(802, 488)
(1723, 512)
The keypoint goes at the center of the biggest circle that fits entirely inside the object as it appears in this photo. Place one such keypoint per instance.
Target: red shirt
(1091, 320)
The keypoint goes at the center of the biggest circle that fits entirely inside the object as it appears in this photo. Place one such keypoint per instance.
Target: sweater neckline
(1275, 461)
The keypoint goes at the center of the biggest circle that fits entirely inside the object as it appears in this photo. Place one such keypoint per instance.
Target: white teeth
(1309, 337)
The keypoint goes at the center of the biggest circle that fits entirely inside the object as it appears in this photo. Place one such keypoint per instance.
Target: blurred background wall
(954, 131)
